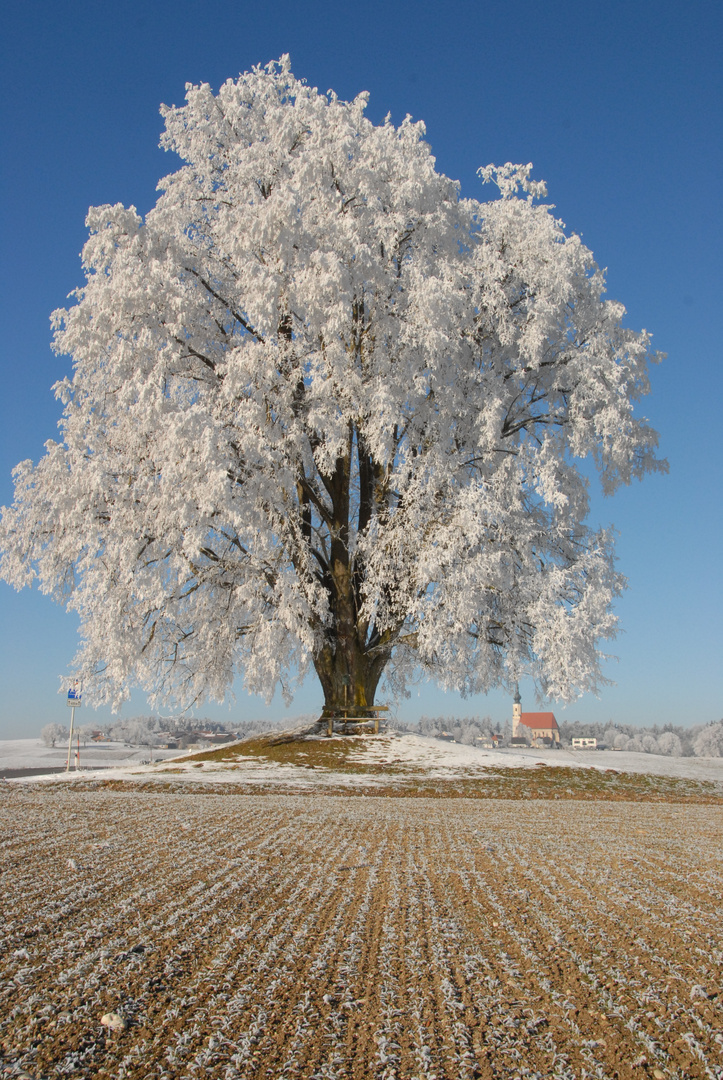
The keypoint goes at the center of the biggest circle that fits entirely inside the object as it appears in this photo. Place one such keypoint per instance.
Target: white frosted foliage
(324, 410)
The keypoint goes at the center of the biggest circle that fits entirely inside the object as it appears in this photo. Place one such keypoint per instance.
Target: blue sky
(619, 108)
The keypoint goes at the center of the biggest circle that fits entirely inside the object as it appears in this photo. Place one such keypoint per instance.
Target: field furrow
(285, 936)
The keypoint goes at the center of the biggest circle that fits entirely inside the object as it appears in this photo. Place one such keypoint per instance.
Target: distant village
(520, 730)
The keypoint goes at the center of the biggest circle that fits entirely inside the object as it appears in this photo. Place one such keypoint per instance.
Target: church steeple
(516, 711)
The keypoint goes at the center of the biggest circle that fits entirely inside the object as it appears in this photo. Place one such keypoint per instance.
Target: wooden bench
(342, 714)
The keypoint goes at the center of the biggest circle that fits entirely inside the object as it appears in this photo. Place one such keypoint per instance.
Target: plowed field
(283, 936)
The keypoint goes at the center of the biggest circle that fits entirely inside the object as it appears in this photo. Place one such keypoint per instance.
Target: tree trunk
(349, 677)
(351, 661)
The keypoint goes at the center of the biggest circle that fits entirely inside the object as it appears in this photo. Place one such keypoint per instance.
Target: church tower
(516, 711)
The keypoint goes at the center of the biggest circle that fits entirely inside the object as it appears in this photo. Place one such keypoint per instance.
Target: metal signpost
(75, 694)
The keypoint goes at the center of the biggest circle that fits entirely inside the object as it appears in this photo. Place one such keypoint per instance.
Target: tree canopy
(326, 411)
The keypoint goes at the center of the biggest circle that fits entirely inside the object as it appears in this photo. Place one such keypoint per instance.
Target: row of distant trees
(148, 730)
(703, 740)
(465, 729)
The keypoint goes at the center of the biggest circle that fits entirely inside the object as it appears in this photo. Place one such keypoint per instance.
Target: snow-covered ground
(432, 754)
(33, 754)
(689, 768)
(404, 753)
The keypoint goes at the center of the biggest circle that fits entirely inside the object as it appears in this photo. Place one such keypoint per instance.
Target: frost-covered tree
(140, 731)
(86, 732)
(51, 733)
(669, 743)
(525, 733)
(709, 740)
(325, 411)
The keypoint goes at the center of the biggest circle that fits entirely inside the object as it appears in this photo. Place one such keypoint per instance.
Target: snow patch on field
(685, 768)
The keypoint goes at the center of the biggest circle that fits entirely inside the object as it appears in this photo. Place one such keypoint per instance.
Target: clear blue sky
(618, 106)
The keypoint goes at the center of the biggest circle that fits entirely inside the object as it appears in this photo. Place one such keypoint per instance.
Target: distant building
(542, 726)
(188, 740)
(584, 744)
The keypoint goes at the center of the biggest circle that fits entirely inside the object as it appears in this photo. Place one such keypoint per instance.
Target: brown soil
(324, 937)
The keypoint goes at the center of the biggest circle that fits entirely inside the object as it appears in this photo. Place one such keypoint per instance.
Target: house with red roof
(543, 725)
(540, 725)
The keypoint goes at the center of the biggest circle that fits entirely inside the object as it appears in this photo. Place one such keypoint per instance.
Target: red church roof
(539, 720)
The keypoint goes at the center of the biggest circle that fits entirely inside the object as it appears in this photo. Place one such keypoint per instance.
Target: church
(541, 727)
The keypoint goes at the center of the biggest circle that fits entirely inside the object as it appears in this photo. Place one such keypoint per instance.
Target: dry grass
(319, 753)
